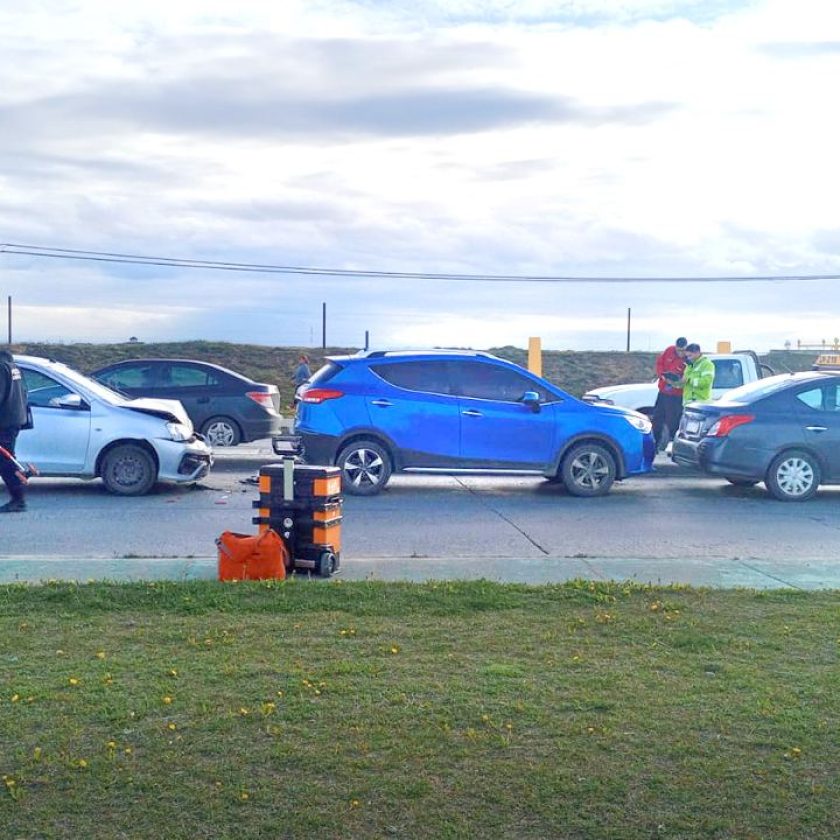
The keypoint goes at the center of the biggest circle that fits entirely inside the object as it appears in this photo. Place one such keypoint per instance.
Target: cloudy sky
(621, 138)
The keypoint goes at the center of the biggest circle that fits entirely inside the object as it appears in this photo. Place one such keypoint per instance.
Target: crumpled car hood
(170, 410)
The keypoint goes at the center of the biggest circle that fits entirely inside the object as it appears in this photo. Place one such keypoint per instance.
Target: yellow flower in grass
(167, 700)
(244, 795)
(395, 649)
(171, 726)
(74, 681)
(100, 654)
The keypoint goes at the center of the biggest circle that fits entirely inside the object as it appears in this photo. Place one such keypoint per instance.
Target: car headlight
(179, 432)
(639, 421)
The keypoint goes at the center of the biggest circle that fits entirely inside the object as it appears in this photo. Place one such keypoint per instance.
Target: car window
(430, 377)
(753, 391)
(324, 373)
(43, 388)
(826, 398)
(133, 376)
(484, 381)
(187, 376)
(729, 373)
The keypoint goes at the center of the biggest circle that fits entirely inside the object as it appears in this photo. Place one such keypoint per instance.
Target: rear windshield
(324, 374)
(757, 390)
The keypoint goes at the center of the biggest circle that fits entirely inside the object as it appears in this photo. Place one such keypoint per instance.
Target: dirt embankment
(575, 372)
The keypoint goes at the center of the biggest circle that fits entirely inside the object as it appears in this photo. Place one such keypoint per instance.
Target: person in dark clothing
(13, 416)
(302, 373)
(669, 403)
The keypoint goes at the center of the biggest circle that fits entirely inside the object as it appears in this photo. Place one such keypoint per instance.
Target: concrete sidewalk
(724, 573)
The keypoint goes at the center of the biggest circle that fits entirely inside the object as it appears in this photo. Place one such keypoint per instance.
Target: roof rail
(443, 351)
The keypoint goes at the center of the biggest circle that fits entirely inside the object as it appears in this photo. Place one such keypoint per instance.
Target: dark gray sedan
(784, 431)
(225, 406)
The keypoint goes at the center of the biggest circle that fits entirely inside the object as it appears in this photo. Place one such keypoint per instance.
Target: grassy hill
(573, 371)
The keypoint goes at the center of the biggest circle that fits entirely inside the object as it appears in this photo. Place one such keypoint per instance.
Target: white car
(82, 429)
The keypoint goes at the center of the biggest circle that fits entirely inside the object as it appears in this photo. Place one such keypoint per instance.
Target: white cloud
(636, 138)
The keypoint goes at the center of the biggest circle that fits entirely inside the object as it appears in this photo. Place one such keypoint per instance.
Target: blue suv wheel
(365, 468)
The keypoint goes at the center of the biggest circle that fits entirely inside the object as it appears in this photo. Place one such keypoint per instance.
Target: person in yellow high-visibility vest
(698, 377)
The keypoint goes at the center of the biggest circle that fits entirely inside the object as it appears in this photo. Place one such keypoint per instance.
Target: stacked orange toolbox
(303, 504)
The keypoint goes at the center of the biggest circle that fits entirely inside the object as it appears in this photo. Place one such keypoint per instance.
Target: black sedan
(784, 431)
(225, 406)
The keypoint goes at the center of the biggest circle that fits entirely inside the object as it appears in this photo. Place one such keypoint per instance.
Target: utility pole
(367, 339)
(628, 329)
(324, 325)
(10, 320)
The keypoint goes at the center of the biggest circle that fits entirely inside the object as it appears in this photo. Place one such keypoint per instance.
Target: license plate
(692, 427)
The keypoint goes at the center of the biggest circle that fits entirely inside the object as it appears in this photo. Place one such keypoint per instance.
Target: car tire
(794, 476)
(365, 468)
(588, 469)
(742, 482)
(128, 470)
(221, 432)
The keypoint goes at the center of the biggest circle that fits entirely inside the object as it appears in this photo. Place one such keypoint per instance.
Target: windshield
(758, 389)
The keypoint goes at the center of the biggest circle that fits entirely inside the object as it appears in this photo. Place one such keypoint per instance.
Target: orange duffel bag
(252, 557)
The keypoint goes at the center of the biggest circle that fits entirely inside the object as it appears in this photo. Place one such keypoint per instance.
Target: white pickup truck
(731, 371)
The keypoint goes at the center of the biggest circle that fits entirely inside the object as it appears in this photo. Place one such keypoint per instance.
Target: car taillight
(726, 424)
(319, 395)
(262, 398)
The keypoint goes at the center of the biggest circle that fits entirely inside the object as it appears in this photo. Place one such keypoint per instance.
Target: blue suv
(381, 412)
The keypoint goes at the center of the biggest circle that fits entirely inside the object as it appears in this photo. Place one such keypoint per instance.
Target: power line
(260, 268)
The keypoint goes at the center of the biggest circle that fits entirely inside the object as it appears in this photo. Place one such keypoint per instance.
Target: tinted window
(826, 398)
(728, 373)
(134, 376)
(187, 376)
(42, 388)
(324, 374)
(483, 381)
(759, 389)
(431, 377)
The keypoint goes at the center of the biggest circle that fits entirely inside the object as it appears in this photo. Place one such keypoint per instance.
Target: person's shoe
(14, 506)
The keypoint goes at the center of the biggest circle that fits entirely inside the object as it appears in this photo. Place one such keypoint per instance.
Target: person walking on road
(13, 417)
(670, 366)
(698, 377)
(302, 373)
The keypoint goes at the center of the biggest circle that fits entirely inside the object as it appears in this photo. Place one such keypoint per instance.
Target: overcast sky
(584, 137)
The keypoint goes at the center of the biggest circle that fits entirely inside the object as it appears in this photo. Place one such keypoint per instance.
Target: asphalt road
(497, 521)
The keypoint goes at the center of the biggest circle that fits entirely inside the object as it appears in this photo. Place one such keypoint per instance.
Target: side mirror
(532, 400)
(72, 401)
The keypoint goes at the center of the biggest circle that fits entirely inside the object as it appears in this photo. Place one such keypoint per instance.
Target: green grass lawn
(305, 709)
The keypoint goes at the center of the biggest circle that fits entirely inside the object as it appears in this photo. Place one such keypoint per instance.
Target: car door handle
(381, 403)
(817, 428)
(471, 412)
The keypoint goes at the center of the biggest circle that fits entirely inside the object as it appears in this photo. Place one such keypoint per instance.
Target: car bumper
(720, 456)
(261, 428)
(639, 460)
(182, 463)
(317, 449)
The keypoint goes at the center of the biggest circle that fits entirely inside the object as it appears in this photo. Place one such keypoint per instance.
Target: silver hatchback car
(82, 429)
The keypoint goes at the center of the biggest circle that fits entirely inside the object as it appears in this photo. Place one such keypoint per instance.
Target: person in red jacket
(666, 413)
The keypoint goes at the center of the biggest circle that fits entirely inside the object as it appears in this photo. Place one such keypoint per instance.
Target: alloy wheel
(590, 470)
(364, 467)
